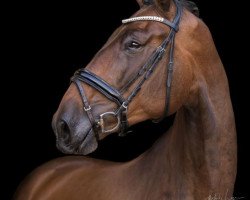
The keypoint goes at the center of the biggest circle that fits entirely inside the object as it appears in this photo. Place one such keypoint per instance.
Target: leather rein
(111, 93)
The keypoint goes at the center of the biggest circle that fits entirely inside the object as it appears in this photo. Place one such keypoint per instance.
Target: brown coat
(195, 159)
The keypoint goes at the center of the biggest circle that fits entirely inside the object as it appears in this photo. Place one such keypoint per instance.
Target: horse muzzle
(74, 133)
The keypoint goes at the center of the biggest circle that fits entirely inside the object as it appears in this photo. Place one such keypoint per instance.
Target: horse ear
(192, 7)
(144, 2)
(163, 4)
(140, 2)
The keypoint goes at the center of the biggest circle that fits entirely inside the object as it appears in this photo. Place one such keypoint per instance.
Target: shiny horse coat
(194, 159)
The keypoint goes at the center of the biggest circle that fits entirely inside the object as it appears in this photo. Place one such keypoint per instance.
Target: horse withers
(160, 61)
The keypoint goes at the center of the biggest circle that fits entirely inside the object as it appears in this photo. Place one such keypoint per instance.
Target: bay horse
(159, 62)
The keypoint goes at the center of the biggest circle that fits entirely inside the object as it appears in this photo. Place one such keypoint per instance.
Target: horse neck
(200, 149)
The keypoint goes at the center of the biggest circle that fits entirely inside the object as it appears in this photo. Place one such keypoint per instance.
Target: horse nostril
(64, 131)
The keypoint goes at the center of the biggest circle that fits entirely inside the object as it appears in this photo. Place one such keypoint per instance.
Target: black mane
(190, 5)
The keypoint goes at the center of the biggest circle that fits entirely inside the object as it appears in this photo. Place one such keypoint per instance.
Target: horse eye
(134, 45)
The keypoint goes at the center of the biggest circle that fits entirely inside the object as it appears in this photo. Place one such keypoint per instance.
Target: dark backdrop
(46, 43)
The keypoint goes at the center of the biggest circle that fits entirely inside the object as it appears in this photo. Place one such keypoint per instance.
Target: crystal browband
(151, 18)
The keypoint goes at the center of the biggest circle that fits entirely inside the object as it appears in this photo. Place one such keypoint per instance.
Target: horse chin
(82, 147)
(88, 146)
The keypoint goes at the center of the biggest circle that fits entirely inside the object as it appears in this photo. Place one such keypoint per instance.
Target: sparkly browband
(151, 18)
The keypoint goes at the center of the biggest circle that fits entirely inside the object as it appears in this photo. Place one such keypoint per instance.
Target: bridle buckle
(125, 106)
(161, 49)
(87, 109)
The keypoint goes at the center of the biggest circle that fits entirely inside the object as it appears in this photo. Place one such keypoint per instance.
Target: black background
(46, 43)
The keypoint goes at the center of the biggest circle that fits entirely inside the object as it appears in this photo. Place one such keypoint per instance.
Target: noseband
(91, 79)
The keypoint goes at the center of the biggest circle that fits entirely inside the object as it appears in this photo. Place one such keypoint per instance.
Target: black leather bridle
(84, 75)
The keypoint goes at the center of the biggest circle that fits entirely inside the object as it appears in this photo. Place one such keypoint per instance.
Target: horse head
(139, 74)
